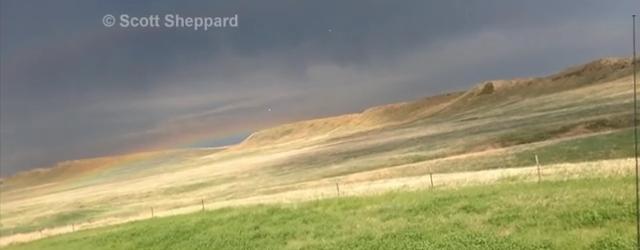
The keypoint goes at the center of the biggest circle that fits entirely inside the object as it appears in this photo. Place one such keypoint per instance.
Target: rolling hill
(497, 124)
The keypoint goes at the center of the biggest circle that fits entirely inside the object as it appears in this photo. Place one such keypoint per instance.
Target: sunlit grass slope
(591, 213)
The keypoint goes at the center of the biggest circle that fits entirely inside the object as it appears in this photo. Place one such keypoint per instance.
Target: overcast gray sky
(73, 88)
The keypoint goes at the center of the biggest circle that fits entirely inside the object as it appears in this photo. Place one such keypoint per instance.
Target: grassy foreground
(592, 213)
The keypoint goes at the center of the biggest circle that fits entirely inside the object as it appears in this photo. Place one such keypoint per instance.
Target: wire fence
(430, 180)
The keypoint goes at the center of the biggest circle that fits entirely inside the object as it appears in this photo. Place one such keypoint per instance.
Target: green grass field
(591, 213)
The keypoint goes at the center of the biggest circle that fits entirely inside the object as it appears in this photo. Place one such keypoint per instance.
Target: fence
(430, 180)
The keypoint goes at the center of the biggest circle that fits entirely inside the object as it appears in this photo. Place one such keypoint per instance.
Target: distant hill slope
(484, 95)
(345, 124)
(103, 168)
(488, 92)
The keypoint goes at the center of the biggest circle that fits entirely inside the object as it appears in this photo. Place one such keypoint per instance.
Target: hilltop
(496, 91)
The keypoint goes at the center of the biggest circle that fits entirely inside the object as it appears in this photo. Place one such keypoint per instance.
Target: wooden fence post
(431, 177)
(202, 204)
(338, 189)
(538, 167)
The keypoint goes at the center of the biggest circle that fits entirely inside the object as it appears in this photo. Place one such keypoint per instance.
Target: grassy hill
(488, 94)
(579, 115)
(104, 168)
(590, 213)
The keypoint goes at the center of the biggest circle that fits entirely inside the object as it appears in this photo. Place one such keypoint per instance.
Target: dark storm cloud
(73, 88)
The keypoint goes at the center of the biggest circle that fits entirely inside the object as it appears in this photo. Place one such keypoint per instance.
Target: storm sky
(72, 88)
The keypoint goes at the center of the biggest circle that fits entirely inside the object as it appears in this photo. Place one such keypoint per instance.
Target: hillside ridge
(596, 71)
(491, 91)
